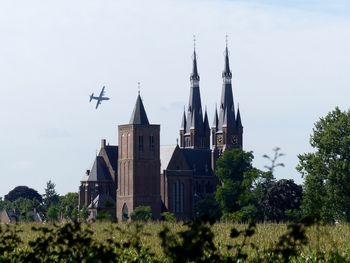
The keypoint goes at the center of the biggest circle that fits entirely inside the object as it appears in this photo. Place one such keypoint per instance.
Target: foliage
(68, 206)
(23, 192)
(53, 213)
(168, 217)
(283, 195)
(106, 242)
(208, 209)
(277, 154)
(327, 169)
(141, 213)
(50, 196)
(235, 194)
(83, 213)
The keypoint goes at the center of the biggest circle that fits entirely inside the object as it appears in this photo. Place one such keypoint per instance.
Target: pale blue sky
(290, 65)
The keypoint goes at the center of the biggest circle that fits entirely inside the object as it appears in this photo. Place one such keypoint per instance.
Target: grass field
(325, 239)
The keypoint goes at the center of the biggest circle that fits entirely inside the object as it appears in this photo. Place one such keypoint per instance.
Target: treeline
(26, 204)
(246, 193)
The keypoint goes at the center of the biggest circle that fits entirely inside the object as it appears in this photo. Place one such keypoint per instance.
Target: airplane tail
(91, 96)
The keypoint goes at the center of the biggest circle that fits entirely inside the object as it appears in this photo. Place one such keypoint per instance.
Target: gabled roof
(139, 115)
(99, 171)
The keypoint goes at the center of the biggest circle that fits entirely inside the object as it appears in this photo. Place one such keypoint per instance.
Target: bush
(141, 213)
(168, 217)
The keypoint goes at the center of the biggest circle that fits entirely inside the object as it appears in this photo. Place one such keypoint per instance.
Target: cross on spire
(138, 87)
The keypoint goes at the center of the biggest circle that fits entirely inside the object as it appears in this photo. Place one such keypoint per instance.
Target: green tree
(50, 196)
(53, 213)
(141, 213)
(282, 199)
(23, 192)
(84, 213)
(327, 170)
(208, 209)
(68, 205)
(235, 194)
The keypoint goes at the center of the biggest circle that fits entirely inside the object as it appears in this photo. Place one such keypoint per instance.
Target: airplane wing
(98, 102)
(102, 92)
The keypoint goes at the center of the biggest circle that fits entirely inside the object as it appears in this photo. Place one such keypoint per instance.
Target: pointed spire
(227, 72)
(216, 118)
(183, 122)
(194, 75)
(206, 121)
(238, 120)
(139, 115)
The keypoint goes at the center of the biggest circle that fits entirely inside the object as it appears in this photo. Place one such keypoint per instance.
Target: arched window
(178, 197)
(125, 212)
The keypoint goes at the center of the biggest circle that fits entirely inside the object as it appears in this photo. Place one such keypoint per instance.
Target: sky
(290, 62)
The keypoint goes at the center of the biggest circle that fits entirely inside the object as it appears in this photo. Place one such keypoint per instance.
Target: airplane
(99, 98)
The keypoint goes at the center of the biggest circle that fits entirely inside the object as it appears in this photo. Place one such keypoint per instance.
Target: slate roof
(139, 115)
(112, 153)
(199, 160)
(99, 171)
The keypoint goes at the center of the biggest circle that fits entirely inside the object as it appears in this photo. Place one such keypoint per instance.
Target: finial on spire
(226, 40)
(138, 87)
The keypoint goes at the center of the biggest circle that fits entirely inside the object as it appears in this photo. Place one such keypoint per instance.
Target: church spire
(193, 132)
(183, 122)
(227, 109)
(206, 121)
(139, 115)
(194, 75)
(216, 118)
(227, 72)
(238, 120)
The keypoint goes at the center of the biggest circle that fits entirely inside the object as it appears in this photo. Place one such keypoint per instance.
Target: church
(141, 172)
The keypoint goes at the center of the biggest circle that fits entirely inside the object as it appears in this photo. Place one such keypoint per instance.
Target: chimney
(103, 143)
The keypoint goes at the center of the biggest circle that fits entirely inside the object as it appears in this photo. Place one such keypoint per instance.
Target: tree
(84, 213)
(208, 209)
(50, 196)
(282, 197)
(23, 192)
(141, 213)
(237, 176)
(68, 205)
(327, 169)
(53, 213)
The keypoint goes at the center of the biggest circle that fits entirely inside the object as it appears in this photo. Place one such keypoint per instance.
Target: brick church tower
(227, 129)
(138, 164)
(195, 130)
